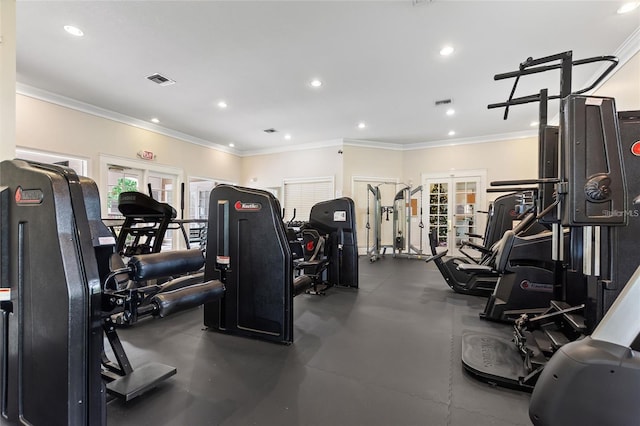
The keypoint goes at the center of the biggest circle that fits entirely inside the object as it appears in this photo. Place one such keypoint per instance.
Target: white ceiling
(379, 62)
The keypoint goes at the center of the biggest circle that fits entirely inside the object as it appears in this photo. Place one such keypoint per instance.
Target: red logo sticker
(247, 207)
(28, 196)
(635, 148)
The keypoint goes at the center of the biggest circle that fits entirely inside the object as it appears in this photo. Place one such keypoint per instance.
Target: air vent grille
(160, 79)
(443, 102)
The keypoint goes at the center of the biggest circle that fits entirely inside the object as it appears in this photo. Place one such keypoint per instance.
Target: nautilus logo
(527, 285)
(28, 196)
(247, 207)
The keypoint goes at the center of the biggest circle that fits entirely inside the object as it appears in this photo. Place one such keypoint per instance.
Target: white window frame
(215, 182)
(51, 157)
(146, 167)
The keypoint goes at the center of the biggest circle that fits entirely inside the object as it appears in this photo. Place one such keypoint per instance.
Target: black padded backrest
(245, 224)
(54, 364)
(504, 247)
(137, 204)
(500, 219)
(337, 219)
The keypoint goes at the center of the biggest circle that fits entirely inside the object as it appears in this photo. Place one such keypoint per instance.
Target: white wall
(269, 170)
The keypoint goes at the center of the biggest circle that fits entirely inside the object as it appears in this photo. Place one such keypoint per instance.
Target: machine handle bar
(533, 66)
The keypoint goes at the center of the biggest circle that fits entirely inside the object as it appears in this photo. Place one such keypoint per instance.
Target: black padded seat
(137, 204)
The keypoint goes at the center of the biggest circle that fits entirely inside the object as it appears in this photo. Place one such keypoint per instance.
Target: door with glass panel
(452, 203)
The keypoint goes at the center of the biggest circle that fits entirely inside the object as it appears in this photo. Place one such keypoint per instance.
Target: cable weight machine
(400, 213)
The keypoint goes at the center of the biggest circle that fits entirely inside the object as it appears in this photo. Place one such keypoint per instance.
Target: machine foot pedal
(140, 380)
(494, 360)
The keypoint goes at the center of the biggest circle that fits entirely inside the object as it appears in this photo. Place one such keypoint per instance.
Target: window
(120, 180)
(79, 165)
(301, 195)
(121, 174)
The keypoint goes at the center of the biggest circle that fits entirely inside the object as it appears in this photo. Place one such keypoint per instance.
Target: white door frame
(450, 176)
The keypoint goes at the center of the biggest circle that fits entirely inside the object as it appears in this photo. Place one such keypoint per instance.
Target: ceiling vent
(443, 102)
(160, 79)
(271, 130)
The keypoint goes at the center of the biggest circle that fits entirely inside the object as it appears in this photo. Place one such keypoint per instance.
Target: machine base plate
(494, 360)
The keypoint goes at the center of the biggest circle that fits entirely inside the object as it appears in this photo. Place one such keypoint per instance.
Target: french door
(452, 203)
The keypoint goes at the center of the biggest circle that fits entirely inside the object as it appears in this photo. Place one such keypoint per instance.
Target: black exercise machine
(527, 286)
(145, 224)
(501, 214)
(480, 279)
(58, 296)
(592, 202)
(246, 230)
(596, 380)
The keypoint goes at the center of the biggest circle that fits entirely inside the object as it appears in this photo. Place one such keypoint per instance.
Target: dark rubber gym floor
(386, 354)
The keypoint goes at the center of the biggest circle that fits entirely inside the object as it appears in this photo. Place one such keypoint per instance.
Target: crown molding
(374, 144)
(473, 140)
(624, 53)
(74, 104)
(435, 144)
(289, 148)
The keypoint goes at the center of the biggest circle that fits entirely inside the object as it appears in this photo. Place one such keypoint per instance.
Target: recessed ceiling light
(73, 30)
(628, 7)
(222, 104)
(361, 125)
(446, 51)
(155, 120)
(451, 133)
(534, 124)
(315, 83)
(232, 144)
(287, 136)
(451, 111)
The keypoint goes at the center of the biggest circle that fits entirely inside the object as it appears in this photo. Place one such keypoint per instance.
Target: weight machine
(594, 182)
(400, 212)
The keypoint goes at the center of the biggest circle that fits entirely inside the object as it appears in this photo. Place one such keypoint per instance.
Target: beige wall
(7, 79)
(503, 160)
(269, 170)
(48, 127)
(371, 163)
